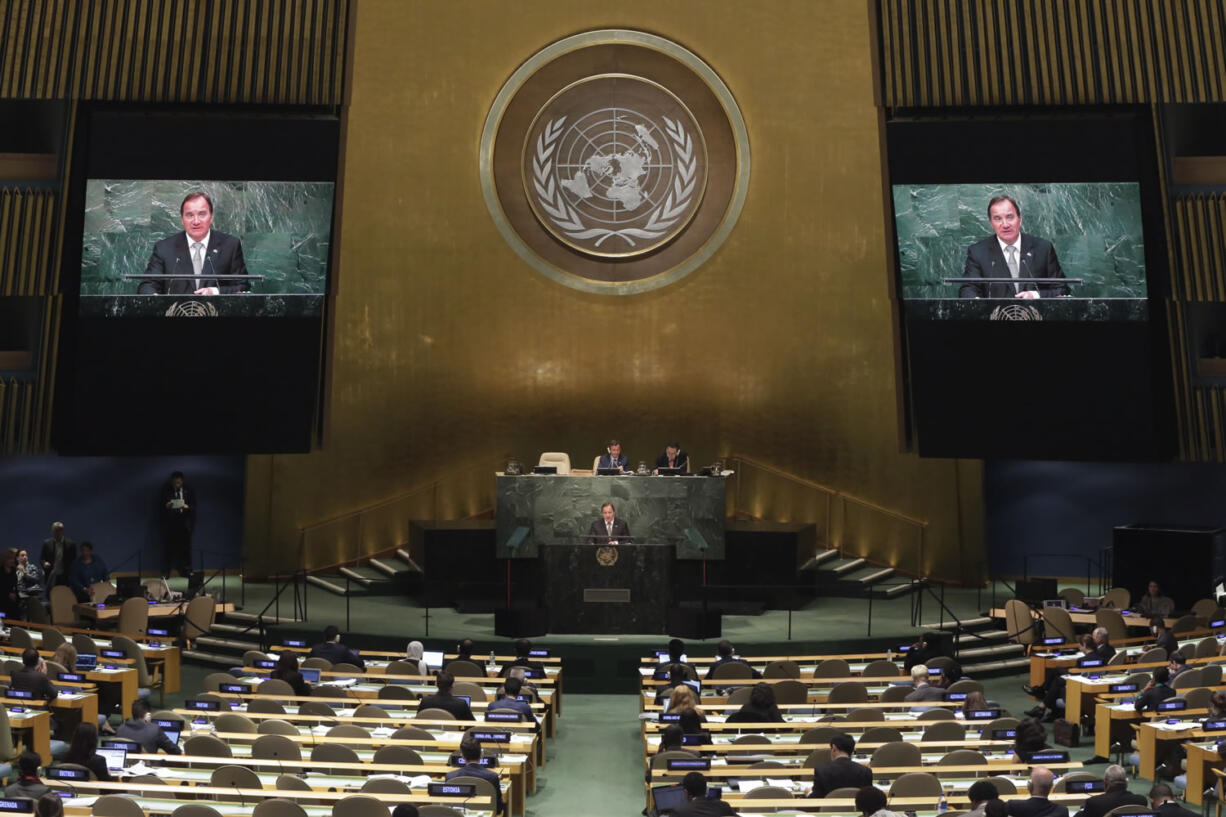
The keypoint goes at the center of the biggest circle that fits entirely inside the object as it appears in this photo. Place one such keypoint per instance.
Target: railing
(348, 538)
(852, 525)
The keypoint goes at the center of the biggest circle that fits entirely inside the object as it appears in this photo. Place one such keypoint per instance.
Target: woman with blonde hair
(683, 698)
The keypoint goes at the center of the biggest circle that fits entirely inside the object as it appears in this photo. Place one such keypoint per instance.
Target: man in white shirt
(1010, 253)
(199, 253)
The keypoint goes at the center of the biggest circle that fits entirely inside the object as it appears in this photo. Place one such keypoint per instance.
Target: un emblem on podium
(614, 161)
(606, 555)
(1015, 312)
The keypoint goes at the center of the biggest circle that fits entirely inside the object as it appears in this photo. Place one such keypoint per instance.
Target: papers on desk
(1178, 726)
(343, 682)
(746, 786)
(382, 732)
(140, 767)
(1128, 707)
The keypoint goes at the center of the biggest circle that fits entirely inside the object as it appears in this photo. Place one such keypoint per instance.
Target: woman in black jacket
(287, 670)
(83, 751)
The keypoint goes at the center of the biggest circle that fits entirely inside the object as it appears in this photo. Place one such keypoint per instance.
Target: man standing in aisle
(59, 552)
(178, 522)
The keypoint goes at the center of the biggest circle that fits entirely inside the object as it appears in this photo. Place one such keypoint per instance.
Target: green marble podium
(245, 305)
(1037, 309)
(559, 510)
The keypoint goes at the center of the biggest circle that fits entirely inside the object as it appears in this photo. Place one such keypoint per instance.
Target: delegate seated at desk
(673, 457)
(608, 530)
(613, 457)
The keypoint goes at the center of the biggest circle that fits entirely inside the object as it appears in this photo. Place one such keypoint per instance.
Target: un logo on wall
(616, 166)
(614, 181)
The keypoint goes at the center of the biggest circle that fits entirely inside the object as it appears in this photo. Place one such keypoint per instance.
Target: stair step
(391, 569)
(403, 555)
(967, 623)
(227, 643)
(1009, 665)
(201, 657)
(893, 591)
(333, 584)
(848, 566)
(354, 575)
(980, 637)
(996, 651)
(252, 617)
(876, 576)
(824, 556)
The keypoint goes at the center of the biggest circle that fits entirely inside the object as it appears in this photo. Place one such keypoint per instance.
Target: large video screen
(256, 238)
(195, 273)
(1079, 240)
(1029, 244)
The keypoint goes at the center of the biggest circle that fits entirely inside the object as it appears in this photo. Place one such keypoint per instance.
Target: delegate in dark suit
(1036, 807)
(679, 460)
(610, 461)
(600, 533)
(477, 770)
(448, 702)
(57, 572)
(337, 653)
(1037, 260)
(838, 773)
(171, 256)
(703, 807)
(1100, 804)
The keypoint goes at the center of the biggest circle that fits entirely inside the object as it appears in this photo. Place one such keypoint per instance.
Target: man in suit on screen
(199, 251)
(1010, 253)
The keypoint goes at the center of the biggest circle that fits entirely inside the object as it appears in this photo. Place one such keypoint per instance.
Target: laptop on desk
(114, 757)
(310, 674)
(545, 469)
(609, 472)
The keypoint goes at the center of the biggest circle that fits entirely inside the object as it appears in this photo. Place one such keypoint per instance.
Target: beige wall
(449, 350)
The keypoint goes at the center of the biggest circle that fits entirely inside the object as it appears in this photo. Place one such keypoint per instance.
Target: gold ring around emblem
(669, 211)
(721, 126)
(606, 555)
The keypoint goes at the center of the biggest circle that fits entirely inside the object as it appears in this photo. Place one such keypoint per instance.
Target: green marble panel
(285, 228)
(1095, 228)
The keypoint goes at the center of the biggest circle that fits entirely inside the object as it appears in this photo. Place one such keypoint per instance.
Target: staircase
(983, 649)
(857, 578)
(230, 639)
(386, 575)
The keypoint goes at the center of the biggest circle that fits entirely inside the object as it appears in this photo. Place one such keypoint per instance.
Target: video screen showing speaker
(1010, 242)
(1028, 246)
(173, 246)
(197, 263)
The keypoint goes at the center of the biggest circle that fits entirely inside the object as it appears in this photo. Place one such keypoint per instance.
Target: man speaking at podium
(200, 251)
(608, 530)
(1011, 254)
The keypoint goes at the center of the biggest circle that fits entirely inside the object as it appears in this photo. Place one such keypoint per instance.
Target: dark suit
(31, 680)
(1104, 651)
(1037, 259)
(515, 705)
(337, 653)
(839, 773)
(703, 807)
(719, 662)
(1168, 642)
(447, 702)
(1148, 700)
(477, 770)
(598, 533)
(925, 692)
(149, 735)
(1171, 809)
(48, 555)
(177, 527)
(682, 461)
(526, 663)
(1100, 804)
(171, 256)
(1036, 807)
(607, 461)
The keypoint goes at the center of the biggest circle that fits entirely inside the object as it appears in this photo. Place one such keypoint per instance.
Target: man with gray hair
(1102, 645)
(58, 554)
(1115, 795)
(1038, 804)
(924, 691)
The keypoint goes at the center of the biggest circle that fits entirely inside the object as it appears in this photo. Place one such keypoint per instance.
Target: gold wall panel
(448, 349)
(1036, 52)
(29, 230)
(278, 51)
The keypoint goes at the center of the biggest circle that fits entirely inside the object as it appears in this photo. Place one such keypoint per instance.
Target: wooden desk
(34, 725)
(126, 679)
(1203, 761)
(1154, 742)
(514, 794)
(91, 612)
